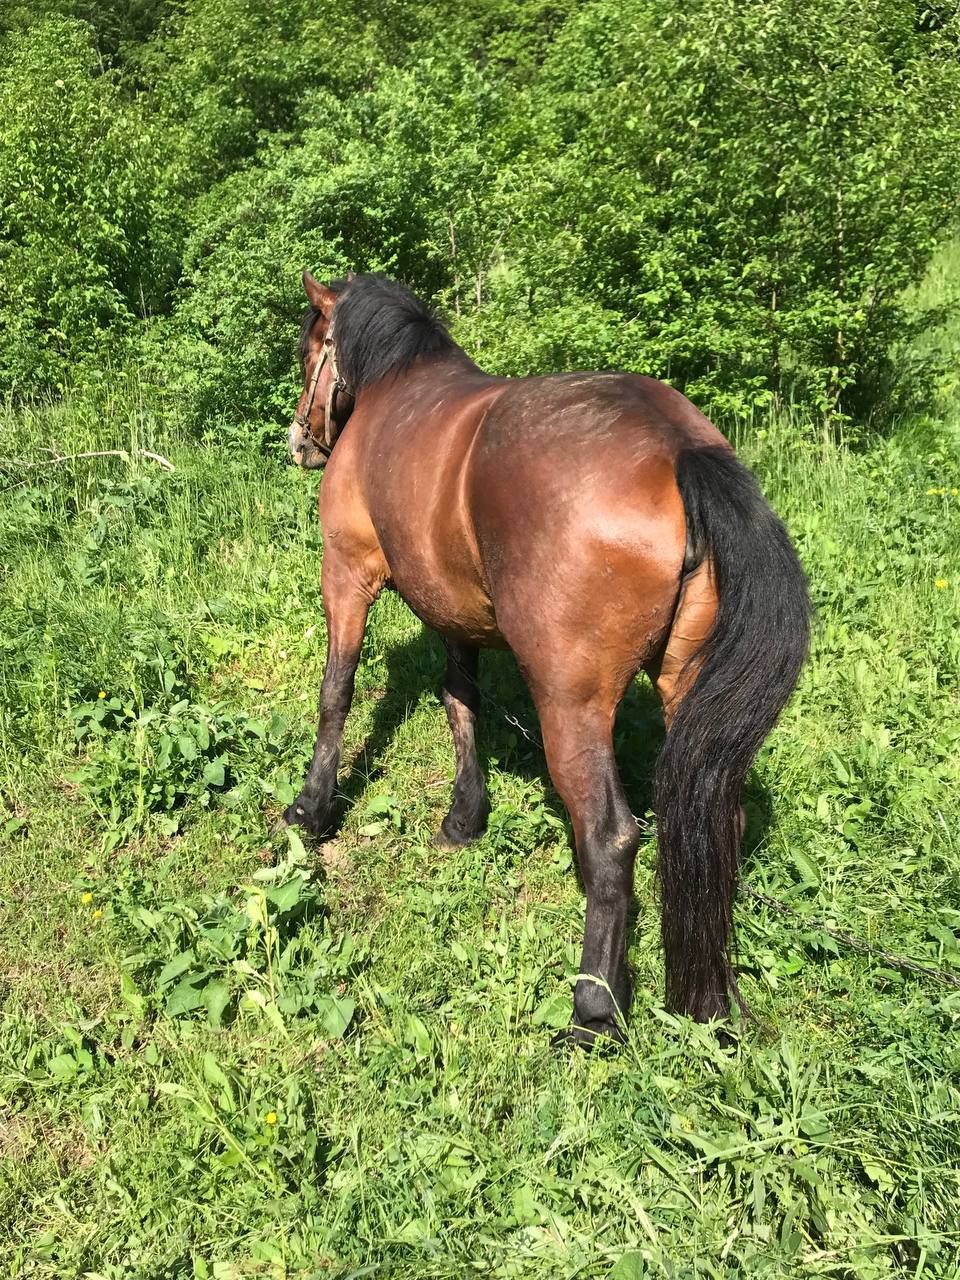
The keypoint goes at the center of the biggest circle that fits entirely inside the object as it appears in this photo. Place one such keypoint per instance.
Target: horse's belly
(460, 610)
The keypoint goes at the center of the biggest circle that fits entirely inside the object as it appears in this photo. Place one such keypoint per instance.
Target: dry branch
(93, 453)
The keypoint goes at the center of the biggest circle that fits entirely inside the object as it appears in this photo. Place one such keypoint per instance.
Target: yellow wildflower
(86, 898)
(95, 915)
(102, 693)
(941, 584)
(271, 1117)
(931, 491)
(955, 492)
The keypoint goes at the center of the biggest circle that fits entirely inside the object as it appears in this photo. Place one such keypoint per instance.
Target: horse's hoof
(453, 836)
(442, 841)
(301, 814)
(449, 843)
(726, 1039)
(596, 1036)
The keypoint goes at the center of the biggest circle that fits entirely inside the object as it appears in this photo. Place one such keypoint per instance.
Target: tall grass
(209, 1067)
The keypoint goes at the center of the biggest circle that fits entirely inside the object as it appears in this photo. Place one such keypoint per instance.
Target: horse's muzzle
(303, 452)
(295, 438)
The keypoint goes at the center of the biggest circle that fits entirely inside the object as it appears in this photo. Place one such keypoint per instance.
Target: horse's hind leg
(578, 740)
(470, 807)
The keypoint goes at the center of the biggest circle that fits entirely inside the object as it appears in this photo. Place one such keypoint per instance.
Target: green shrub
(339, 199)
(735, 197)
(750, 187)
(705, 196)
(262, 947)
(225, 74)
(82, 252)
(158, 750)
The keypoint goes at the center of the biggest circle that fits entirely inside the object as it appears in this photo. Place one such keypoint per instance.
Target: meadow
(225, 1054)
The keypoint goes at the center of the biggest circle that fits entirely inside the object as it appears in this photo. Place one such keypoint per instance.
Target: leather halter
(330, 429)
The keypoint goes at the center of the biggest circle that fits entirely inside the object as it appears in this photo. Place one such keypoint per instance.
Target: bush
(751, 185)
(735, 197)
(82, 252)
(359, 191)
(705, 196)
(226, 74)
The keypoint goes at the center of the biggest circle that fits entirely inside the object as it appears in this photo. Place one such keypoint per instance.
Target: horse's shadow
(417, 665)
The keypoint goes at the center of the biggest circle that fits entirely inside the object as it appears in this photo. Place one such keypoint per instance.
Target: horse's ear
(320, 297)
(351, 275)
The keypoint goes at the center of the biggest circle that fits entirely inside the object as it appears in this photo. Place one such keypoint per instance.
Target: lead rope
(848, 939)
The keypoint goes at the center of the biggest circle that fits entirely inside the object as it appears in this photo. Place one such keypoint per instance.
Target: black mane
(380, 328)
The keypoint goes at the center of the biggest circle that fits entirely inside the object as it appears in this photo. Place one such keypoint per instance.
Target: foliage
(224, 1056)
(358, 193)
(226, 74)
(83, 239)
(734, 197)
(260, 948)
(119, 27)
(755, 183)
(155, 759)
(699, 197)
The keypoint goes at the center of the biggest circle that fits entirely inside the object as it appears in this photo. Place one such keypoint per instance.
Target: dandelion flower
(931, 491)
(941, 584)
(95, 915)
(271, 1117)
(86, 898)
(102, 693)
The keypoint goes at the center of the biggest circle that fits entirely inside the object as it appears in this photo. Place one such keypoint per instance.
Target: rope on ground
(852, 941)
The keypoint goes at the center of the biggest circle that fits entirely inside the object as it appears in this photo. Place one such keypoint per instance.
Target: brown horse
(595, 524)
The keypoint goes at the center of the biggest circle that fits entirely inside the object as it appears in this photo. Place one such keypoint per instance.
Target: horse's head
(325, 402)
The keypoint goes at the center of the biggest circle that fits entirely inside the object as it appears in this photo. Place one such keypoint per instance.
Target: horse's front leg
(346, 601)
(461, 699)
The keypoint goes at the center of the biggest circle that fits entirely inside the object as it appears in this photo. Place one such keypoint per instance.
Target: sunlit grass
(439, 1136)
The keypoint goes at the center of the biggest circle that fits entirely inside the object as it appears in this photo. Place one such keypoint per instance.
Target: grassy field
(223, 1055)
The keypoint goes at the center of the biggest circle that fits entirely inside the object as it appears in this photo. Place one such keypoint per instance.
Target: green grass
(173, 978)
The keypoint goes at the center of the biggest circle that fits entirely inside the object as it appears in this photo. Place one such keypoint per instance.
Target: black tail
(747, 670)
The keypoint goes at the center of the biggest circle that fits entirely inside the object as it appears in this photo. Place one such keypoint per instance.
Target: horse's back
(587, 410)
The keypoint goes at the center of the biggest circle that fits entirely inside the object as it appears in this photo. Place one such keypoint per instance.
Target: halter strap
(302, 420)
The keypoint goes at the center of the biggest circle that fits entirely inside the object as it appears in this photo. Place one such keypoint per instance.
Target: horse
(597, 525)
